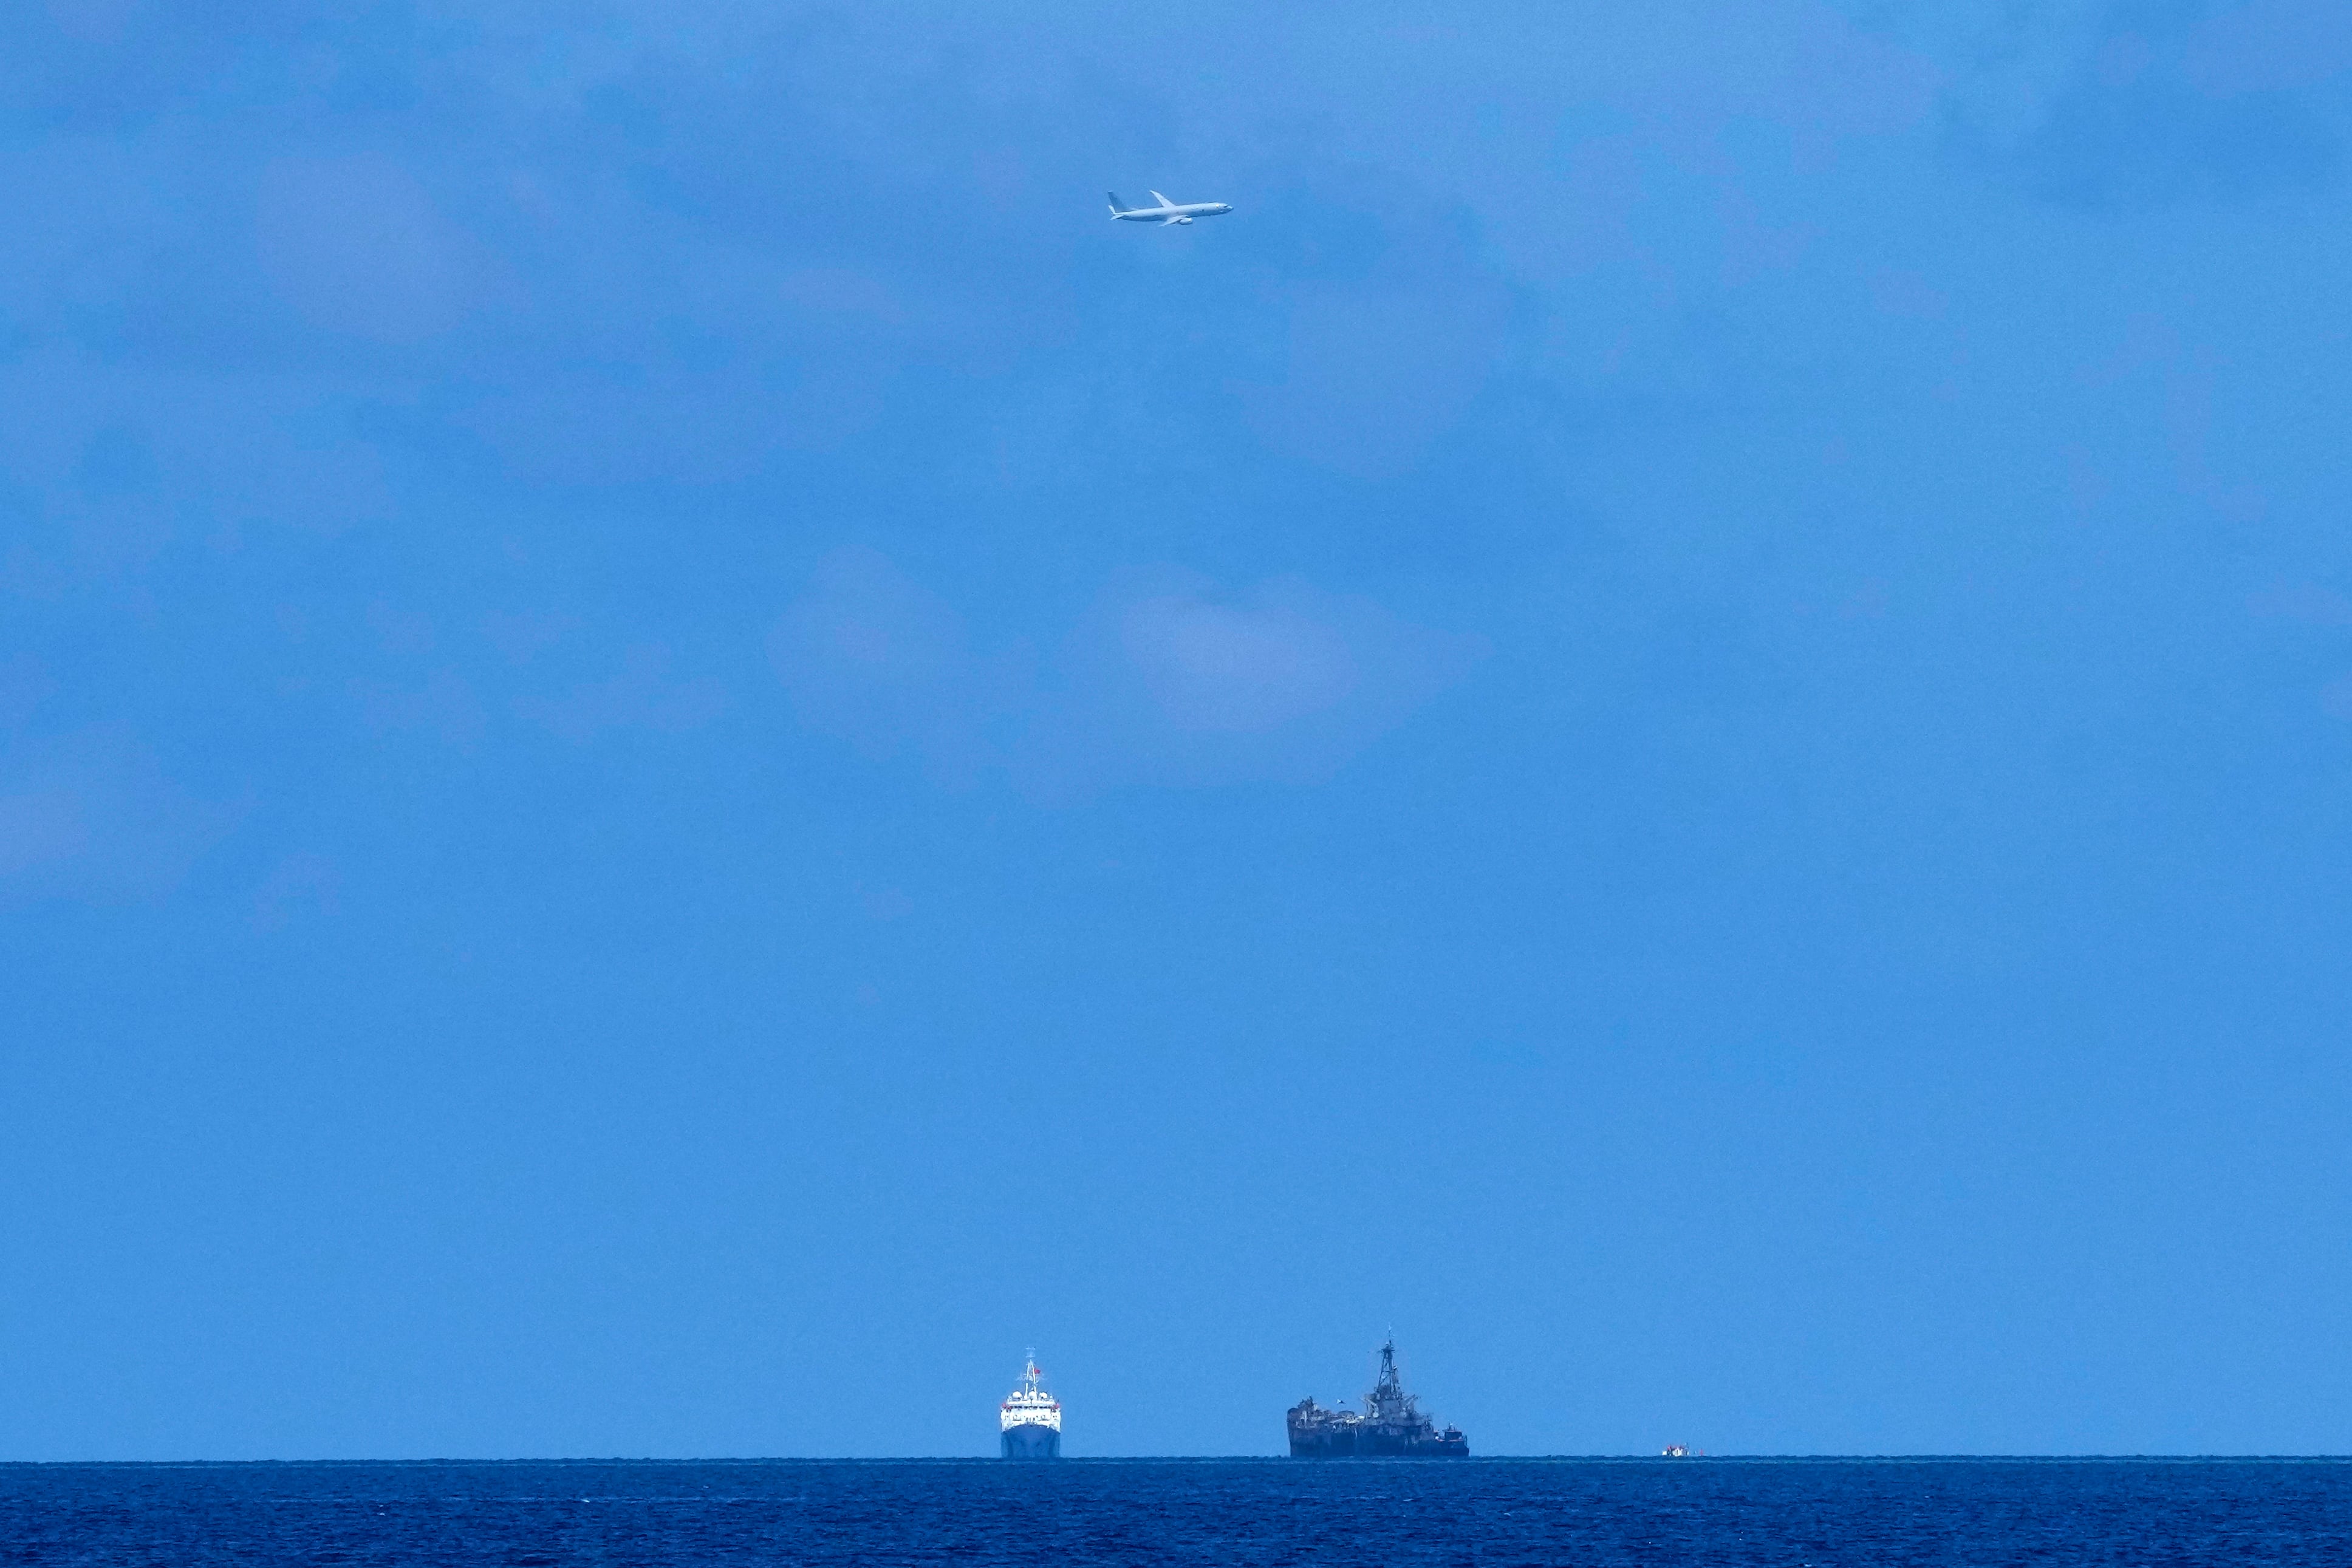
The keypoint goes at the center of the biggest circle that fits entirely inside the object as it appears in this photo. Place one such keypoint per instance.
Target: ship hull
(1032, 1442)
(1344, 1444)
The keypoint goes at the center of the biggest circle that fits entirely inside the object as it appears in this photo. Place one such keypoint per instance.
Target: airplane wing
(1161, 200)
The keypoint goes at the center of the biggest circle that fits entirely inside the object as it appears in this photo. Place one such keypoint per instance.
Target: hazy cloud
(39, 826)
(641, 696)
(1231, 668)
(1377, 369)
(523, 634)
(2306, 602)
(1845, 79)
(1168, 678)
(1173, 679)
(837, 291)
(357, 246)
(304, 883)
(91, 816)
(2268, 44)
(444, 707)
(872, 657)
(92, 21)
(24, 684)
(2095, 107)
(1373, 375)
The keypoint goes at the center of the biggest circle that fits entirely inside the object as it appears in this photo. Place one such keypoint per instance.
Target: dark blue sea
(1229, 1512)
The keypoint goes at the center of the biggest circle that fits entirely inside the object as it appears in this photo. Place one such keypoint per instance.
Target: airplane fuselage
(1167, 212)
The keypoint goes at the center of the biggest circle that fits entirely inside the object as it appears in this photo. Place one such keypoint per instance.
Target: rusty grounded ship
(1391, 1425)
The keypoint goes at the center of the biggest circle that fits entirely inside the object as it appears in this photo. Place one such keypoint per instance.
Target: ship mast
(1387, 1400)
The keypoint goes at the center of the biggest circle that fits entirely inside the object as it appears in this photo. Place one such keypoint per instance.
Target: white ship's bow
(1029, 1422)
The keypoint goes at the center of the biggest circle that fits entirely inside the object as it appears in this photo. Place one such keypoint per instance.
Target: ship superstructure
(1392, 1423)
(1029, 1419)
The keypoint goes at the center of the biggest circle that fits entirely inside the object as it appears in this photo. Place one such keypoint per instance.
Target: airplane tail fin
(1116, 206)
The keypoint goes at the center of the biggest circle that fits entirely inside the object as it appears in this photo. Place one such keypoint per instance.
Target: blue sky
(679, 747)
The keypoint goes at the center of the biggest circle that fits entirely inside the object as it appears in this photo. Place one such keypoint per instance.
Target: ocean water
(1224, 1511)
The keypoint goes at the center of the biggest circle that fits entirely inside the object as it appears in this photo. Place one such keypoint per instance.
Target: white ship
(1030, 1418)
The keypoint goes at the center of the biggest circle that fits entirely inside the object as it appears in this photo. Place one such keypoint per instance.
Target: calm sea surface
(1224, 1511)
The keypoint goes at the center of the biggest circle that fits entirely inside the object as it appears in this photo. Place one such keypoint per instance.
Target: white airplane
(1166, 213)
